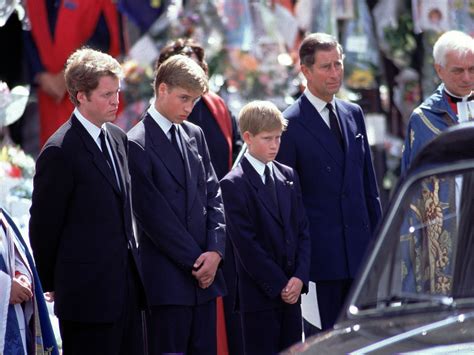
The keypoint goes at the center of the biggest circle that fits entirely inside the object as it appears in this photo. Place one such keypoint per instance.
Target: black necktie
(174, 139)
(334, 126)
(106, 153)
(270, 185)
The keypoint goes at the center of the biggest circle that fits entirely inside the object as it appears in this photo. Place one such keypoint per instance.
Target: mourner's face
(101, 104)
(264, 145)
(324, 77)
(175, 103)
(458, 73)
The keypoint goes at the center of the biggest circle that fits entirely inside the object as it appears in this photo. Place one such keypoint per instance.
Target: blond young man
(179, 212)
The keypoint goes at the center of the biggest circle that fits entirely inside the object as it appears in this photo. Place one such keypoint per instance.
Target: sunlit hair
(85, 67)
(182, 72)
(261, 116)
(452, 41)
(184, 46)
(314, 43)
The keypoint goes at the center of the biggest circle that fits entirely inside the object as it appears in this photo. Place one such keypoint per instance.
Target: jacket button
(328, 168)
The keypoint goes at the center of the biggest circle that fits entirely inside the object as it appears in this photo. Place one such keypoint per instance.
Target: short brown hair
(184, 46)
(315, 42)
(183, 72)
(85, 67)
(260, 116)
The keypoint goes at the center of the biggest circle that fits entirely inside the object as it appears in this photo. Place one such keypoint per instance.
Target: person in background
(267, 224)
(453, 55)
(224, 143)
(179, 213)
(451, 104)
(326, 143)
(25, 327)
(81, 228)
(58, 28)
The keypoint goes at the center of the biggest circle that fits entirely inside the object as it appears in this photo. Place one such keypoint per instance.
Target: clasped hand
(21, 290)
(291, 292)
(205, 268)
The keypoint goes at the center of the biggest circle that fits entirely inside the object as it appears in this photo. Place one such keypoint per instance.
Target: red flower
(14, 171)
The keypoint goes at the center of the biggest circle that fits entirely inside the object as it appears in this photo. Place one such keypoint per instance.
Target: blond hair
(260, 116)
(183, 72)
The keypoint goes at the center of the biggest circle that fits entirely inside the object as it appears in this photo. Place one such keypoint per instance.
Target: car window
(426, 254)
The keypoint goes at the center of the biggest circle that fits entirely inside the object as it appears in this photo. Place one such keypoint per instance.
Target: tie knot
(329, 107)
(268, 174)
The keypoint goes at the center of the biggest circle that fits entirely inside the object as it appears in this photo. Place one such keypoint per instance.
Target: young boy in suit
(267, 225)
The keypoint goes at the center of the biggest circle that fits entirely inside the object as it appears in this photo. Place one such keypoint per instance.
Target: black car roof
(454, 144)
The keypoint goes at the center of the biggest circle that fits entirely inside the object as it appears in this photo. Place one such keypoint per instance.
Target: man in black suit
(326, 143)
(81, 218)
(180, 218)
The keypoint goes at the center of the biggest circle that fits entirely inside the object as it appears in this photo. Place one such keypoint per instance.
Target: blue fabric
(141, 12)
(433, 116)
(427, 121)
(49, 339)
(13, 344)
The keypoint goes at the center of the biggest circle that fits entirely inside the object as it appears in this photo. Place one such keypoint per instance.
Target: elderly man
(453, 55)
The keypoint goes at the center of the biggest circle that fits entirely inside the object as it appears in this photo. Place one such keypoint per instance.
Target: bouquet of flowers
(16, 173)
(16, 168)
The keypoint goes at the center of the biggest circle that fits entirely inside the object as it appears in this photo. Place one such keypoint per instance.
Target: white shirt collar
(318, 104)
(161, 120)
(93, 130)
(463, 98)
(258, 165)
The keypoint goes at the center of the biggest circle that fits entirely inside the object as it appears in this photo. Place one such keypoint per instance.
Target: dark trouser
(331, 297)
(183, 329)
(124, 336)
(233, 322)
(271, 331)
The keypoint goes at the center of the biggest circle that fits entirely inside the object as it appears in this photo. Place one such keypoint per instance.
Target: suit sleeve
(53, 186)
(241, 229)
(214, 206)
(370, 183)
(303, 255)
(154, 214)
(287, 151)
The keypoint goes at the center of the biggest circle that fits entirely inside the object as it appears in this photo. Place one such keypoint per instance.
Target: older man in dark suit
(178, 206)
(81, 220)
(326, 143)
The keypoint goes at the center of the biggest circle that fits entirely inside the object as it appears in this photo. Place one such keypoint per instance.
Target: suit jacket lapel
(283, 194)
(315, 125)
(262, 194)
(191, 165)
(349, 131)
(120, 162)
(94, 150)
(164, 150)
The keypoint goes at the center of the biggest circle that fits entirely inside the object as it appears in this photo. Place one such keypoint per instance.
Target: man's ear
(162, 89)
(304, 70)
(246, 136)
(439, 70)
(81, 96)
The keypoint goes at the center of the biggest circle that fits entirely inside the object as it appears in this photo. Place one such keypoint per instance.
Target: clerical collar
(455, 99)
